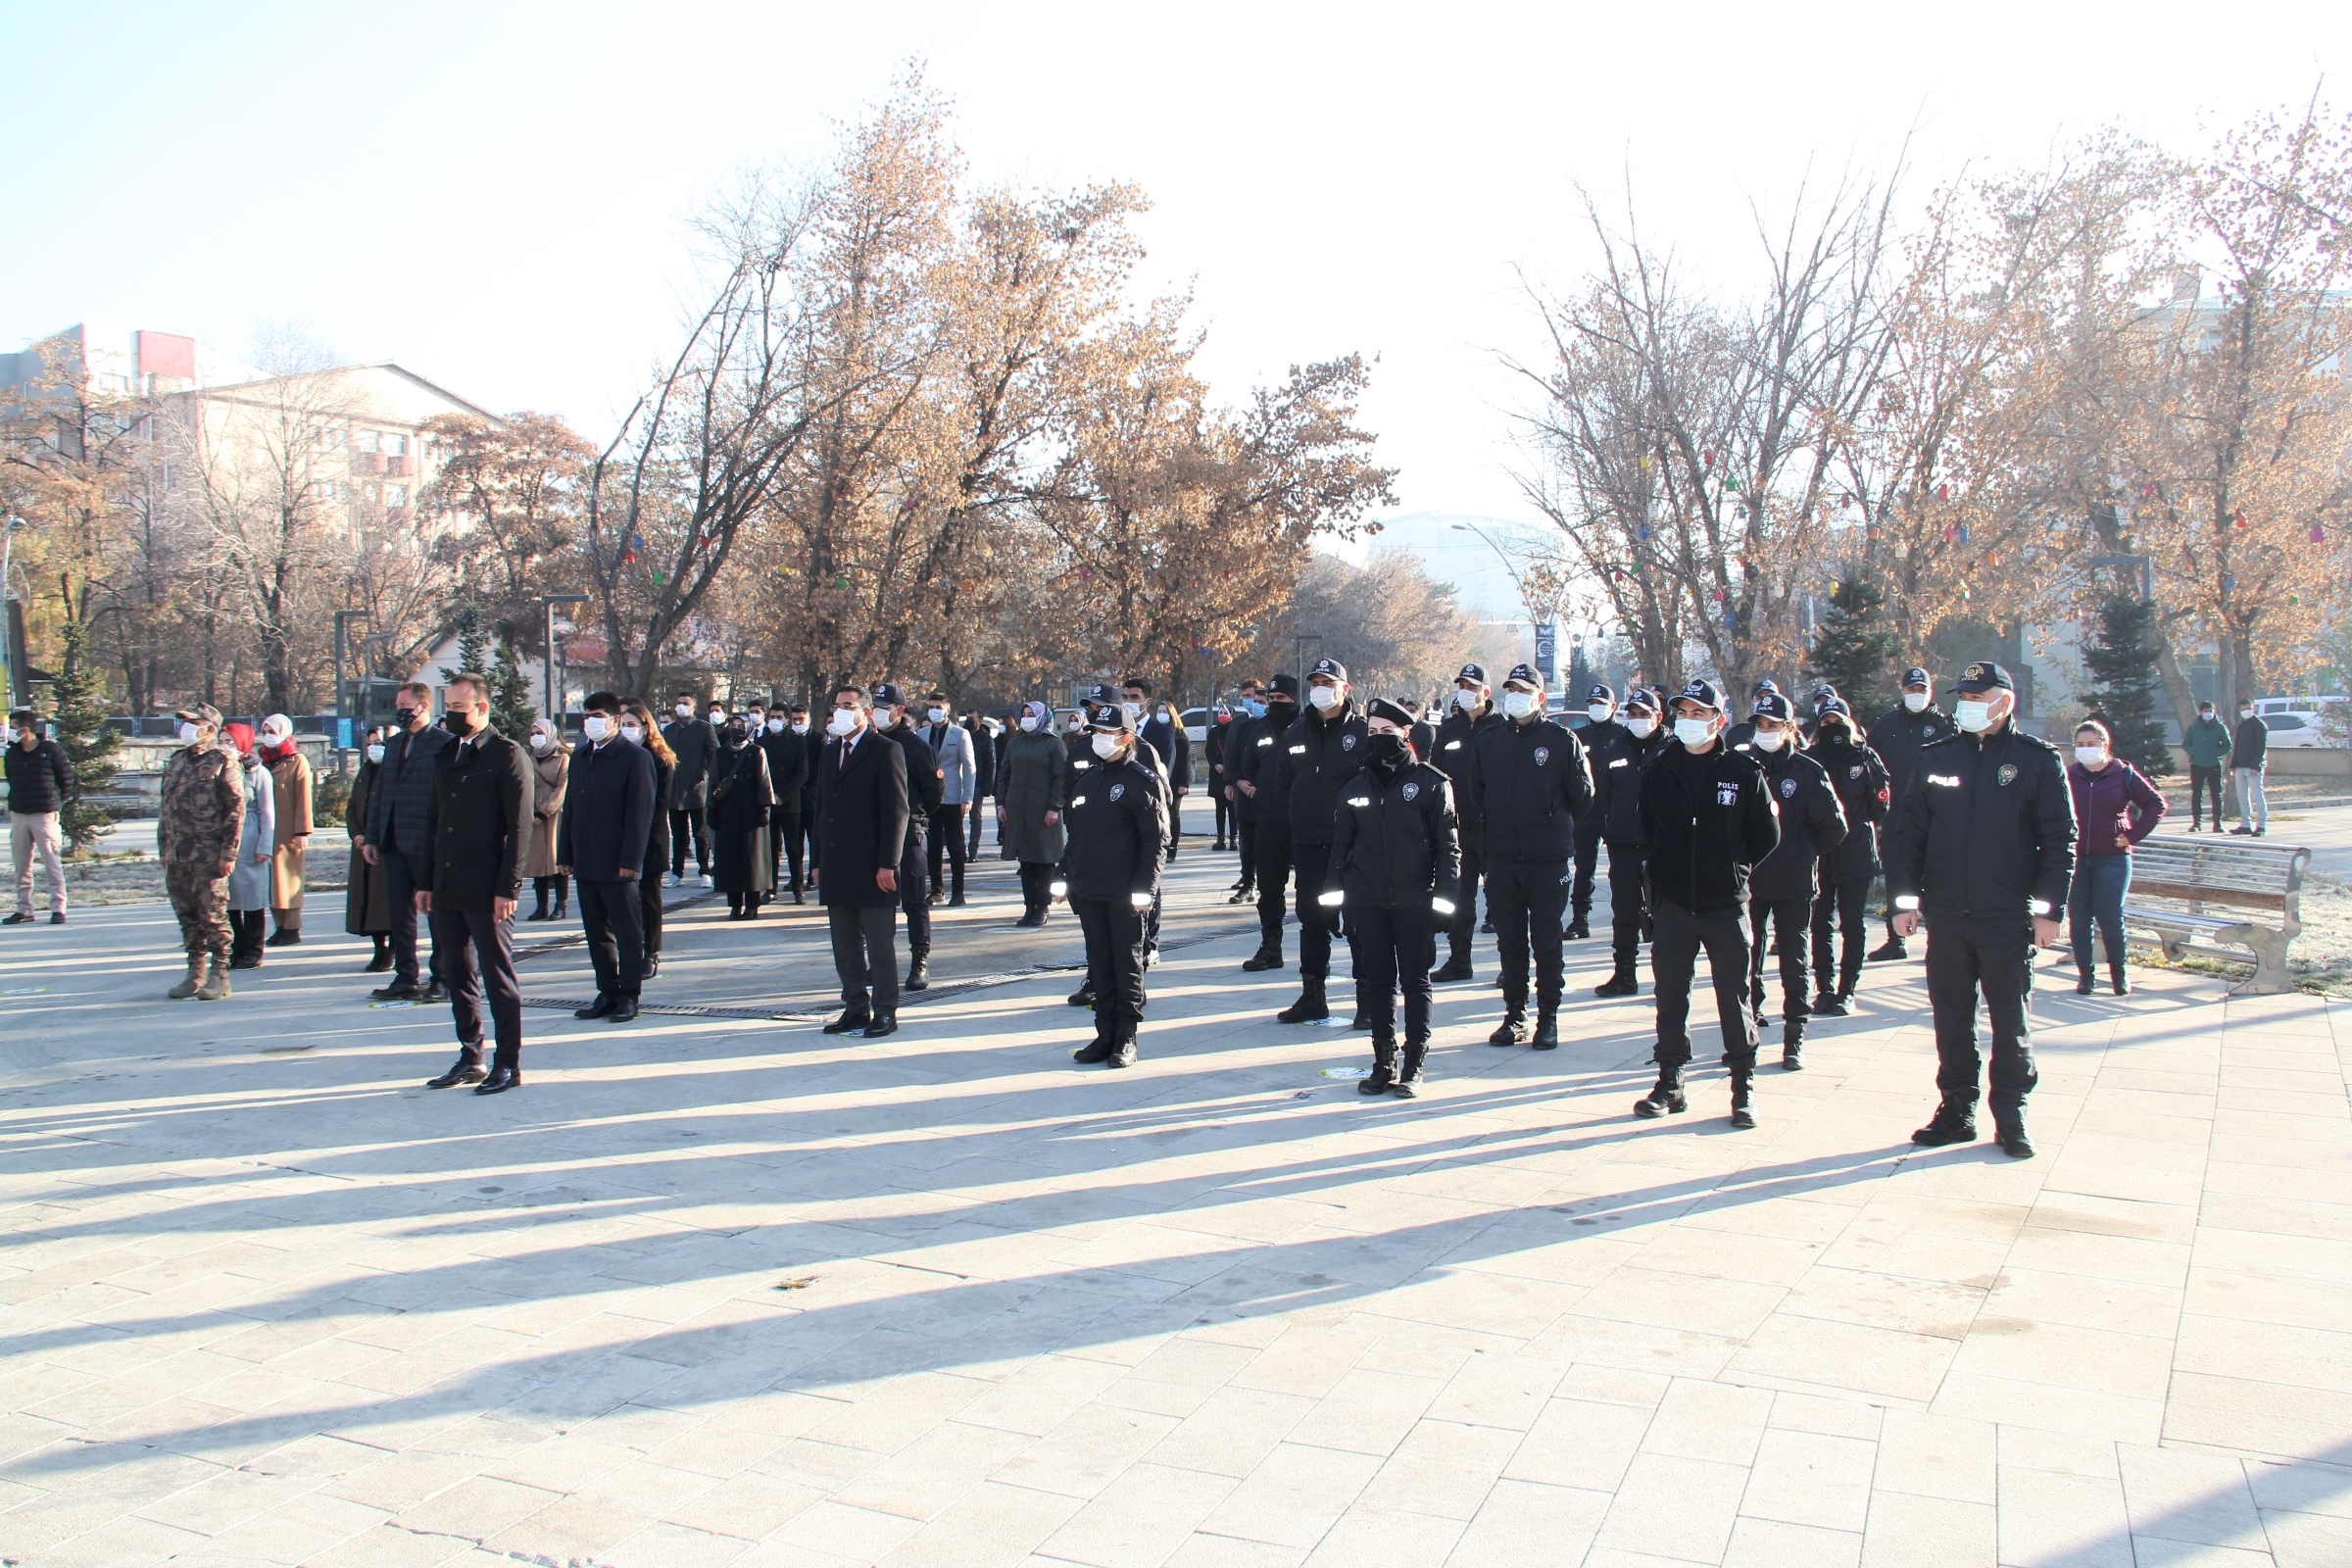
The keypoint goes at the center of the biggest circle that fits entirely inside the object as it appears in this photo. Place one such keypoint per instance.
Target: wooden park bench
(2235, 873)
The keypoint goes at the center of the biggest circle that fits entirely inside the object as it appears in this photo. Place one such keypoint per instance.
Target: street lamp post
(547, 619)
(343, 618)
(1542, 618)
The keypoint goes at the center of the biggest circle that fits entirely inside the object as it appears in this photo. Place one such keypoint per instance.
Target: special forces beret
(1394, 713)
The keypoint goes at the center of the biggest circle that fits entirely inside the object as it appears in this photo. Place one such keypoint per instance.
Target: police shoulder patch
(1410, 792)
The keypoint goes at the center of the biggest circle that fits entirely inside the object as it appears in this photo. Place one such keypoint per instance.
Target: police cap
(1476, 675)
(1394, 713)
(1331, 668)
(1602, 694)
(1915, 676)
(1706, 693)
(1984, 676)
(1524, 675)
(1770, 705)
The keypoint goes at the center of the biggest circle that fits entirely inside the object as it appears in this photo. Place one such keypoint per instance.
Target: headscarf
(241, 737)
(272, 751)
(554, 738)
(1042, 714)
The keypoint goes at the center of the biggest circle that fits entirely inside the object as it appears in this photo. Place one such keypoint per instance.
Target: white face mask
(1106, 745)
(1695, 731)
(633, 733)
(2245, 712)
(775, 727)
(1465, 698)
(1974, 714)
(541, 740)
(189, 734)
(2091, 756)
(1134, 709)
(274, 737)
(1325, 698)
(1642, 726)
(596, 726)
(1598, 713)
(843, 722)
(1029, 723)
(1917, 702)
(685, 710)
(376, 752)
(801, 728)
(938, 715)
(1518, 705)
(1771, 740)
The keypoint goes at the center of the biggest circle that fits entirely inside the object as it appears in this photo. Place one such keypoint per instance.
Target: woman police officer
(1109, 872)
(1396, 862)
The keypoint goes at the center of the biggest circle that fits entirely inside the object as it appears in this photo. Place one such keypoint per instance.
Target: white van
(2298, 722)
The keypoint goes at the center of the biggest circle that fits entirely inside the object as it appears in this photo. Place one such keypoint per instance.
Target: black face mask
(1831, 735)
(405, 717)
(457, 723)
(1388, 750)
(1281, 712)
(736, 731)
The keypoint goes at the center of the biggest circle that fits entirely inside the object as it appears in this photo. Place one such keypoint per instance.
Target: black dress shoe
(284, 938)
(624, 1013)
(501, 1079)
(918, 974)
(398, 990)
(435, 992)
(652, 964)
(849, 1023)
(600, 1008)
(461, 1071)
(21, 917)
(57, 919)
(540, 914)
(886, 1023)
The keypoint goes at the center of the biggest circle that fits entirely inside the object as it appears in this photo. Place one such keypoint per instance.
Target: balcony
(366, 463)
(393, 466)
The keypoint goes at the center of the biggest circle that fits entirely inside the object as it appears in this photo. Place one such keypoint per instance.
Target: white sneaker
(706, 879)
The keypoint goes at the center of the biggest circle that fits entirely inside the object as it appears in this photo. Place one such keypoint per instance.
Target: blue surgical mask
(1257, 709)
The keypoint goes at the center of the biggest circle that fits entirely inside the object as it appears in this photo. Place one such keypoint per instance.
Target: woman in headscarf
(551, 770)
(366, 892)
(637, 725)
(249, 880)
(1033, 773)
(741, 799)
(290, 781)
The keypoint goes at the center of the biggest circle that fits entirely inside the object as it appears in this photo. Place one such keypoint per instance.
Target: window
(396, 445)
(2281, 723)
(396, 496)
(365, 441)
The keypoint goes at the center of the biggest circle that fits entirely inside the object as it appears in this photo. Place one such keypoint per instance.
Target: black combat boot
(1362, 1023)
(1954, 1122)
(1309, 1006)
(1891, 948)
(1383, 1076)
(1122, 1048)
(1513, 1031)
(1578, 930)
(1792, 1047)
(919, 971)
(2009, 1129)
(1456, 967)
(1100, 1049)
(1547, 1030)
(1084, 996)
(1409, 1077)
(1623, 981)
(1268, 957)
(1742, 1117)
(2117, 978)
(1667, 1098)
(1829, 1004)
(2083, 985)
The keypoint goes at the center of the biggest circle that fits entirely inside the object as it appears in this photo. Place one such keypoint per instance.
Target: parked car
(2302, 722)
(1196, 724)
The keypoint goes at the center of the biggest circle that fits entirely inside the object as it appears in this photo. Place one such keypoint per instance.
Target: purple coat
(2116, 800)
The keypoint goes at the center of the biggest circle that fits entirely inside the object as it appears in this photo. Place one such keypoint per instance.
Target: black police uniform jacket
(1898, 733)
(1085, 766)
(1987, 829)
(1395, 844)
(1617, 770)
(1254, 757)
(1706, 821)
(1320, 756)
(1596, 739)
(1450, 756)
(924, 788)
(1812, 824)
(1118, 830)
(1525, 788)
(861, 815)
(1863, 789)
(475, 821)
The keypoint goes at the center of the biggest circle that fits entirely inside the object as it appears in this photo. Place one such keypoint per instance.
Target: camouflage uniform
(203, 812)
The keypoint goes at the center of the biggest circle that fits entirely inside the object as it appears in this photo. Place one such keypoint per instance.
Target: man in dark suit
(470, 874)
(812, 743)
(788, 780)
(861, 842)
(1161, 727)
(608, 820)
(924, 782)
(694, 744)
(984, 778)
(395, 835)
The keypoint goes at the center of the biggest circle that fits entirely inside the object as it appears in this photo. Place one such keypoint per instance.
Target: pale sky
(491, 194)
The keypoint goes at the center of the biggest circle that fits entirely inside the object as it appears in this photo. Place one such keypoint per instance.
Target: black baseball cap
(1602, 694)
(887, 695)
(1914, 676)
(1331, 668)
(1524, 675)
(1983, 677)
(1832, 703)
(1110, 715)
(1763, 684)
(1706, 693)
(1472, 672)
(1770, 705)
(1641, 699)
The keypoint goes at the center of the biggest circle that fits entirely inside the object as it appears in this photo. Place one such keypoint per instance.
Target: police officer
(1896, 736)
(1109, 872)
(1317, 759)
(1984, 846)
(1740, 734)
(1601, 732)
(1527, 787)
(924, 780)
(1266, 788)
(1471, 710)
(1396, 865)
(1147, 757)
(1860, 780)
(1779, 890)
(1706, 820)
(1616, 800)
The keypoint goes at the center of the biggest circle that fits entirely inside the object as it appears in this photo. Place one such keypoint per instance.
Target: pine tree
(510, 707)
(473, 647)
(2124, 683)
(88, 744)
(1855, 650)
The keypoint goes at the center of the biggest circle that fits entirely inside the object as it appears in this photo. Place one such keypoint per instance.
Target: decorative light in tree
(2239, 520)
(2319, 534)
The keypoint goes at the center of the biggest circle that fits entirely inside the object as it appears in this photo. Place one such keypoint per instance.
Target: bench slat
(2205, 893)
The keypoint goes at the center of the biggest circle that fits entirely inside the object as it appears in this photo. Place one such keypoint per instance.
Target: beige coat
(291, 774)
(551, 773)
